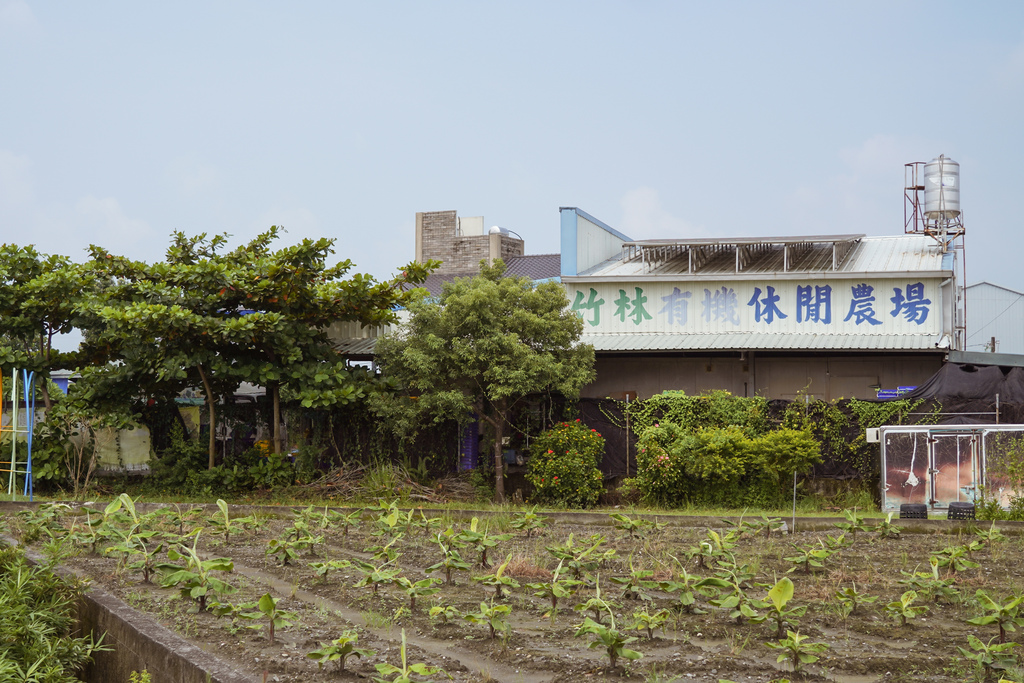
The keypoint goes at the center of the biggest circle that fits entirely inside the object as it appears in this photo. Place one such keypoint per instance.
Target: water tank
(941, 189)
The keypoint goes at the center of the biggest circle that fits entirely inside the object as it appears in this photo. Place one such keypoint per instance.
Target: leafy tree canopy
(487, 343)
(212, 317)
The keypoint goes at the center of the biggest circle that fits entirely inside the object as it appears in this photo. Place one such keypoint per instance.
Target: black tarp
(969, 393)
(969, 382)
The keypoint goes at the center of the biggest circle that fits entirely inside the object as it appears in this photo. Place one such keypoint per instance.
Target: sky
(121, 122)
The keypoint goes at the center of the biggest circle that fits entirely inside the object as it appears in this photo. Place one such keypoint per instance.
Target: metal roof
(816, 255)
(759, 340)
(535, 266)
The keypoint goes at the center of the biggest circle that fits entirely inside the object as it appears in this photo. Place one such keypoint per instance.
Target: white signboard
(842, 307)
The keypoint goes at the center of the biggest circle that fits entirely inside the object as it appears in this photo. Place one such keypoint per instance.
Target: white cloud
(644, 217)
(15, 180)
(16, 16)
(107, 222)
(862, 192)
(297, 221)
(193, 177)
(1010, 72)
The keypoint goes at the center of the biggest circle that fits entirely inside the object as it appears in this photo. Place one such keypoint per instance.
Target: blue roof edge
(597, 221)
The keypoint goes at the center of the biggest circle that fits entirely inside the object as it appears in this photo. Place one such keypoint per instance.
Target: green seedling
(266, 608)
(222, 520)
(498, 581)
(451, 559)
(494, 616)
(797, 651)
(418, 589)
(740, 575)
(853, 523)
(809, 557)
(598, 605)
(713, 548)
(903, 609)
(375, 577)
(849, 598)
(955, 558)
(444, 613)
(990, 658)
(1004, 616)
(284, 550)
(427, 525)
(778, 597)
(339, 650)
(386, 552)
(528, 521)
(886, 529)
(404, 673)
(990, 537)
(480, 541)
(554, 590)
(636, 585)
(635, 528)
(195, 578)
(739, 604)
(609, 638)
(323, 568)
(349, 520)
(581, 559)
(645, 621)
(940, 590)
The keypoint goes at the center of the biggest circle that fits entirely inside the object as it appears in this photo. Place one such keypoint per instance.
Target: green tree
(38, 298)
(214, 318)
(487, 343)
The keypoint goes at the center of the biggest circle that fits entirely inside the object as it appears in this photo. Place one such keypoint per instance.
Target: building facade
(995, 319)
(827, 316)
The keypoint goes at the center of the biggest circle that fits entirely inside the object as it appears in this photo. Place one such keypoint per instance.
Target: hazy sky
(123, 121)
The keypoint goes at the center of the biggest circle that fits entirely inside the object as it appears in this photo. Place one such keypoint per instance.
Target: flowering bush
(563, 465)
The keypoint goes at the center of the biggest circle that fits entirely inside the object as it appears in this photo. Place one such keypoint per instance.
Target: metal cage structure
(942, 464)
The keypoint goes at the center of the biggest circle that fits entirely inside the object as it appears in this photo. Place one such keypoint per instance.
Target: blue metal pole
(28, 385)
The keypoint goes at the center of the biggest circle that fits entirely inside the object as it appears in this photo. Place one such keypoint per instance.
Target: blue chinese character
(816, 308)
(721, 305)
(914, 306)
(675, 306)
(862, 306)
(767, 307)
(591, 304)
(623, 305)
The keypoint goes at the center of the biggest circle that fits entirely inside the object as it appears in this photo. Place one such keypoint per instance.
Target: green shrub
(563, 466)
(720, 465)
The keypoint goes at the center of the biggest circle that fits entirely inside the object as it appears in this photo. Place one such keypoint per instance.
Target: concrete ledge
(139, 642)
(599, 518)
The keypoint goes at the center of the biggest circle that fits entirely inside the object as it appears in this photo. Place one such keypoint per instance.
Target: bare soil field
(703, 589)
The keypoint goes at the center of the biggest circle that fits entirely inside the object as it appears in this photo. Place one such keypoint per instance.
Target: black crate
(913, 511)
(960, 511)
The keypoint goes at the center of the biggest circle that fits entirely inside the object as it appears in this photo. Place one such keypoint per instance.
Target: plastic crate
(960, 511)
(913, 511)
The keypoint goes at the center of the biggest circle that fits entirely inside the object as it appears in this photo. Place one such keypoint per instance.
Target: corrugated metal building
(829, 316)
(994, 313)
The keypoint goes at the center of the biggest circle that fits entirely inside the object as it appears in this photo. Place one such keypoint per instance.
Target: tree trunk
(275, 390)
(499, 461)
(44, 347)
(213, 415)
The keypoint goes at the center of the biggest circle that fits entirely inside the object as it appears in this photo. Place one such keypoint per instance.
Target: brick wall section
(437, 239)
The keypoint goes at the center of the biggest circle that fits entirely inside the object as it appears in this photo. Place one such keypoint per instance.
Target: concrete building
(828, 316)
(995, 319)
(460, 243)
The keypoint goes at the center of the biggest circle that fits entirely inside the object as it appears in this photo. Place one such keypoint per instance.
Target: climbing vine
(717, 409)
